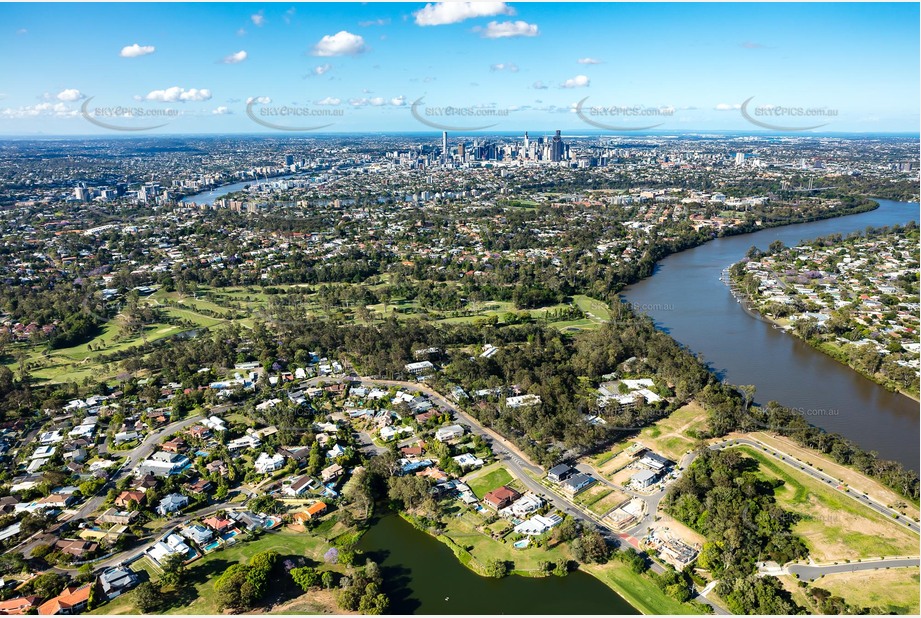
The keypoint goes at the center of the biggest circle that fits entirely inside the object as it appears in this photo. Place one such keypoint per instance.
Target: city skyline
(484, 68)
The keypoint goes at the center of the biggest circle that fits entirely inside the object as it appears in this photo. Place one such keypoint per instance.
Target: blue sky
(694, 63)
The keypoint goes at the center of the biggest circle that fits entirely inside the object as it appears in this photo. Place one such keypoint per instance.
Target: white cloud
(133, 51)
(539, 85)
(329, 101)
(342, 43)
(507, 29)
(442, 13)
(258, 19)
(241, 32)
(222, 110)
(589, 61)
(377, 101)
(22, 31)
(71, 94)
(725, 107)
(502, 66)
(579, 81)
(176, 93)
(239, 56)
(40, 109)
(261, 100)
(374, 22)
(321, 69)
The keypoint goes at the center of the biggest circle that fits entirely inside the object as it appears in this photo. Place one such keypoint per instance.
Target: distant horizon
(437, 134)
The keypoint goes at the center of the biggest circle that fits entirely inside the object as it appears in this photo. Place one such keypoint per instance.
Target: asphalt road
(809, 572)
(821, 477)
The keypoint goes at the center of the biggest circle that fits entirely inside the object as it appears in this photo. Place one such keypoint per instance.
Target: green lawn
(597, 308)
(202, 574)
(639, 590)
(893, 590)
(483, 548)
(487, 479)
(833, 525)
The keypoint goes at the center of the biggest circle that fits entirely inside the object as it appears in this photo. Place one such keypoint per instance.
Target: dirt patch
(313, 602)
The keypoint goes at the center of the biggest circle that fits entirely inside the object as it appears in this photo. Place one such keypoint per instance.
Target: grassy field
(834, 526)
(463, 531)
(486, 479)
(639, 590)
(608, 502)
(893, 590)
(854, 479)
(202, 574)
(596, 308)
(674, 435)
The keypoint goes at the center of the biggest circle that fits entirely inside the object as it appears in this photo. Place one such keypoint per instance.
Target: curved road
(812, 471)
(809, 572)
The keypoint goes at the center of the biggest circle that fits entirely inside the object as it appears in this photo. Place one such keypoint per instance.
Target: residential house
(501, 497)
(217, 466)
(466, 460)
(244, 442)
(218, 524)
(162, 464)
(643, 479)
(298, 487)
(114, 516)
(528, 503)
(197, 533)
(172, 544)
(315, 510)
(175, 445)
(655, 462)
(18, 606)
(331, 472)
(116, 581)
(576, 483)
(127, 497)
(56, 501)
(538, 524)
(77, 549)
(171, 504)
(420, 368)
(559, 473)
(72, 600)
(449, 433)
(266, 464)
(200, 486)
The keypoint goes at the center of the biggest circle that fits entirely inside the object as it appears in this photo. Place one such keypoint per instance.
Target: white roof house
(538, 524)
(449, 433)
(266, 463)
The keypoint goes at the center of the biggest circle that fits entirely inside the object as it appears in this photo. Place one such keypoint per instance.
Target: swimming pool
(211, 546)
(521, 544)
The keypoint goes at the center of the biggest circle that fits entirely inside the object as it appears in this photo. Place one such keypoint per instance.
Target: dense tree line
(721, 496)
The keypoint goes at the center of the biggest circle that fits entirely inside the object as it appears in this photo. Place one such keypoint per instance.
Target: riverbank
(752, 308)
(639, 590)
